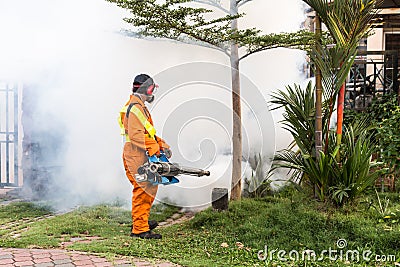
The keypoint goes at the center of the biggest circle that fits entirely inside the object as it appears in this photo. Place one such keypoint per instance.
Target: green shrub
(384, 118)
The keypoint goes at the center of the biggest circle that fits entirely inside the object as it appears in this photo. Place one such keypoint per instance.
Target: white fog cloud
(72, 52)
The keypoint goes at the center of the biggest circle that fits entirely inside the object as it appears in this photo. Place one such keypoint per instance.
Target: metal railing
(373, 74)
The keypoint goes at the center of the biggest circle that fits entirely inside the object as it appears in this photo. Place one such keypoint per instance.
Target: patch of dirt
(178, 217)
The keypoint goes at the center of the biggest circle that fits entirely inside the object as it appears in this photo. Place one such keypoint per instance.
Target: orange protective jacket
(137, 134)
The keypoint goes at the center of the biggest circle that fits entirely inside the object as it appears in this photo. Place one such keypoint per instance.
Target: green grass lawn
(237, 237)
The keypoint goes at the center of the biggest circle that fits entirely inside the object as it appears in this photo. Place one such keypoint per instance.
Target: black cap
(143, 84)
(140, 79)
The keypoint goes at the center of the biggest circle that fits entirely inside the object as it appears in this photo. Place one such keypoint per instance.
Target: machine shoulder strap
(142, 118)
(128, 110)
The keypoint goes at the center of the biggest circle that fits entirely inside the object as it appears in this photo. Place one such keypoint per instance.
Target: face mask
(150, 98)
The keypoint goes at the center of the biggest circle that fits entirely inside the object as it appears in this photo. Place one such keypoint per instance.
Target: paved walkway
(66, 258)
(57, 257)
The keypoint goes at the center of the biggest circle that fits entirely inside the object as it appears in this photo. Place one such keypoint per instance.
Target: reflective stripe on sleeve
(120, 122)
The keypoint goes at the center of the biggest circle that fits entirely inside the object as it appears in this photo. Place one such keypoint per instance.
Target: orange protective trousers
(143, 195)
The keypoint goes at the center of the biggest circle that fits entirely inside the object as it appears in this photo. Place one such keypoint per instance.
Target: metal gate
(9, 141)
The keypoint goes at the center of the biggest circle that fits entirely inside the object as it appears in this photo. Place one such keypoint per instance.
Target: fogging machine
(158, 170)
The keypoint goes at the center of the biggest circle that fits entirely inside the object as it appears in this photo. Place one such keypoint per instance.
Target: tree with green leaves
(186, 22)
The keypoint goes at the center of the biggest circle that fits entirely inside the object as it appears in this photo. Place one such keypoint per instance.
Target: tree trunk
(236, 183)
(318, 95)
(318, 100)
(339, 127)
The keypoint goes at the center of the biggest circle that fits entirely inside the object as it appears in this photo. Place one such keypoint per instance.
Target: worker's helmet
(144, 84)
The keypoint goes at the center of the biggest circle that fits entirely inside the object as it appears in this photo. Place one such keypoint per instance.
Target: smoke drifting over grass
(81, 68)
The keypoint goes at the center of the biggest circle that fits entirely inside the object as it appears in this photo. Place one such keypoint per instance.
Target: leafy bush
(384, 118)
(389, 139)
(343, 171)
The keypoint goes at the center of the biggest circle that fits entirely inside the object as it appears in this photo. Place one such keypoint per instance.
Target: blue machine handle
(166, 180)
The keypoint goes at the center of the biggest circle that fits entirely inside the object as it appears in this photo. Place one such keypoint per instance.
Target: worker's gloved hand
(167, 152)
(153, 149)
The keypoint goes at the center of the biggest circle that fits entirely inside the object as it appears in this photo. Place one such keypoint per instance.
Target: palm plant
(337, 180)
(299, 120)
(356, 171)
(347, 21)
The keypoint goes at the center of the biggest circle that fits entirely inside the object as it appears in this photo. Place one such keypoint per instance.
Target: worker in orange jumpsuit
(141, 142)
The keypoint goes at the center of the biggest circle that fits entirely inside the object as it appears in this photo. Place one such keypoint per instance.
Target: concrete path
(57, 257)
